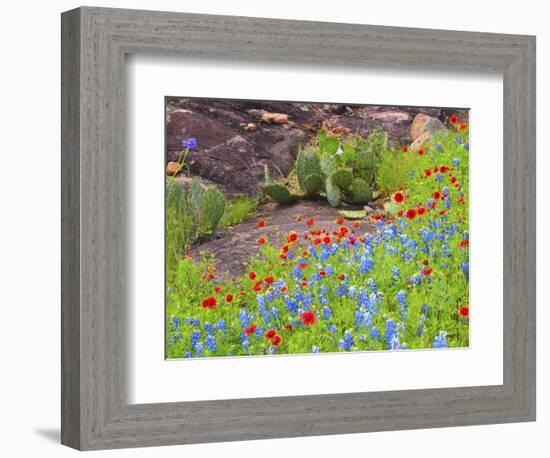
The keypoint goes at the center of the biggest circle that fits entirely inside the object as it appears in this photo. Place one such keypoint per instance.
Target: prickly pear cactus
(313, 184)
(279, 193)
(341, 171)
(213, 206)
(342, 178)
(195, 198)
(334, 195)
(361, 192)
(301, 167)
(328, 164)
(312, 163)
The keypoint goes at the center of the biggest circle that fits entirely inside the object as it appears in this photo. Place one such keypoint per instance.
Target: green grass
(392, 171)
(238, 211)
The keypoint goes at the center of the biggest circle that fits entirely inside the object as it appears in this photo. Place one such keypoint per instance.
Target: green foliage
(191, 215)
(392, 171)
(334, 195)
(368, 153)
(340, 163)
(361, 192)
(342, 178)
(239, 210)
(279, 193)
(313, 184)
(301, 167)
(213, 206)
(348, 153)
(433, 299)
(327, 143)
(328, 164)
(312, 163)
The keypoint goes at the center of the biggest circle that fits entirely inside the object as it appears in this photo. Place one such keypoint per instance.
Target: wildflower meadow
(390, 271)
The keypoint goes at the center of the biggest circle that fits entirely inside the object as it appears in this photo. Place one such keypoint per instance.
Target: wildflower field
(394, 278)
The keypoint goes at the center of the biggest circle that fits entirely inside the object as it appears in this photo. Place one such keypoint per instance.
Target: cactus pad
(279, 193)
(213, 206)
(313, 183)
(361, 192)
(333, 193)
(342, 178)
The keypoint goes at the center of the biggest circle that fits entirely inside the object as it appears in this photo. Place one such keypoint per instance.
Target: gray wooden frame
(95, 413)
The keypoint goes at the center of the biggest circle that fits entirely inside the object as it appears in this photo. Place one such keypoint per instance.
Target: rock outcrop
(236, 139)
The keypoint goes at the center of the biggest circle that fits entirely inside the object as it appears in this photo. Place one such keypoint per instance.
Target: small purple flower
(190, 143)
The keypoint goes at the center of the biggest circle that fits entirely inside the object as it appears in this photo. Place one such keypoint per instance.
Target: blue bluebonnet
(375, 334)
(447, 202)
(342, 290)
(347, 342)
(440, 340)
(401, 297)
(244, 317)
(325, 253)
(190, 142)
(198, 348)
(363, 299)
(372, 285)
(456, 162)
(307, 301)
(220, 325)
(439, 148)
(327, 312)
(392, 335)
(458, 140)
(195, 338)
(194, 322)
(395, 272)
(367, 264)
(467, 146)
(175, 323)
(211, 343)
(315, 349)
(275, 313)
(245, 341)
(188, 354)
(315, 277)
(291, 304)
(262, 309)
(420, 329)
(297, 273)
(466, 269)
(391, 249)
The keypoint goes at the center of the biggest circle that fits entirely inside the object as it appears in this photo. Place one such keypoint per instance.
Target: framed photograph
(278, 228)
